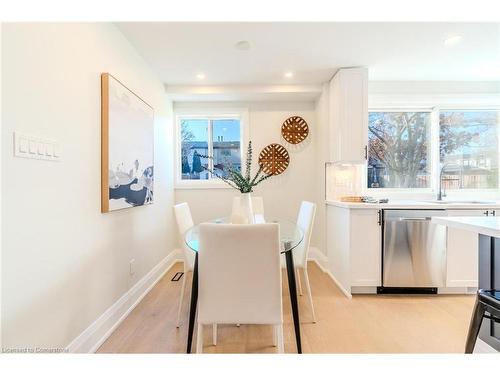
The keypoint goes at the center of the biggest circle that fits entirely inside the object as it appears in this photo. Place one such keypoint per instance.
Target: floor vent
(177, 276)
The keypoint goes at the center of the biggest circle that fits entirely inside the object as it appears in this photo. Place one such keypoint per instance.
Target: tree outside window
(398, 149)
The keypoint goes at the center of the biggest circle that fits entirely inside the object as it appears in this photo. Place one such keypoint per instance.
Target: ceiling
(178, 52)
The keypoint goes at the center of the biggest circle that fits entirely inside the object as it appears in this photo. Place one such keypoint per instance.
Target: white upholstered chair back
(305, 221)
(239, 274)
(185, 222)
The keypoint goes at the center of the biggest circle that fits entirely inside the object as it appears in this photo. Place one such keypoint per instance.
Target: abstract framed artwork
(127, 147)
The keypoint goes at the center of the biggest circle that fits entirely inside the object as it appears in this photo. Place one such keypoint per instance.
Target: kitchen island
(488, 234)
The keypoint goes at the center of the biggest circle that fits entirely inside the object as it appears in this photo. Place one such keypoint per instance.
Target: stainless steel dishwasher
(414, 251)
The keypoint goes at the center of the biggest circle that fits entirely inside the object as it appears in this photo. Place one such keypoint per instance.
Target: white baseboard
(94, 335)
(319, 257)
(321, 260)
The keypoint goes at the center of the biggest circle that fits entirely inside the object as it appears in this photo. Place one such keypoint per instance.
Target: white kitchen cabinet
(354, 247)
(348, 124)
(462, 252)
(366, 245)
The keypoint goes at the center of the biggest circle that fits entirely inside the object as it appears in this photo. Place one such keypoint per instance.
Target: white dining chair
(239, 277)
(184, 222)
(257, 207)
(305, 221)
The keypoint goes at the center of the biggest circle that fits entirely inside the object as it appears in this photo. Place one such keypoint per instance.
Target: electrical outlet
(132, 267)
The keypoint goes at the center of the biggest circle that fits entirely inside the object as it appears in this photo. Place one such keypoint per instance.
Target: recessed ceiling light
(288, 75)
(452, 40)
(242, 45)
(200, 76)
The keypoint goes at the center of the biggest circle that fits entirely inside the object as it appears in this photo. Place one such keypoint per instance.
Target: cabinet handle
(366, 152)
(487, 213)
(379, 217)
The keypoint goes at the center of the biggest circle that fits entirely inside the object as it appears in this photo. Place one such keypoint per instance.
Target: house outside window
(469, 149)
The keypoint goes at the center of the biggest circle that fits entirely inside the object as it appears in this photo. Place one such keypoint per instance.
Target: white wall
(282, 194)
(64, 263)
(322, 156)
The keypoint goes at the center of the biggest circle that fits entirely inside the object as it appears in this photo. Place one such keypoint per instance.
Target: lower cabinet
(366, 248)
(462, 253)
(354, 247)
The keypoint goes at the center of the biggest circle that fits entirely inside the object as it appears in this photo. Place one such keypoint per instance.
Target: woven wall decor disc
(294, 130)
(274, 159)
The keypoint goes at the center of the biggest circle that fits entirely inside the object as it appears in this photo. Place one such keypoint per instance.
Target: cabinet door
(337, 240)
(462, 253)
(349, 115)
(366, 248)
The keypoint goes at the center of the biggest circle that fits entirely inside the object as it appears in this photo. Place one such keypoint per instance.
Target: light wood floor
(365, 324)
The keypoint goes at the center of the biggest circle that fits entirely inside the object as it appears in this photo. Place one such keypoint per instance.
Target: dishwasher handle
(427, 218)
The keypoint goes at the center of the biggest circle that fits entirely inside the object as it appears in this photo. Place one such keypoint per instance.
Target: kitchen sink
(461, 202)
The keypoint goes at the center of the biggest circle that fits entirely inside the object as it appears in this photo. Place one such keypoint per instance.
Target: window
(194, 142)
(468, 149)
(226, 144)
(398, 150)
(216, 136)
(413, 149)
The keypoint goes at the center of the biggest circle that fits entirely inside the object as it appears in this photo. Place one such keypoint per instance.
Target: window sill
(198, 185)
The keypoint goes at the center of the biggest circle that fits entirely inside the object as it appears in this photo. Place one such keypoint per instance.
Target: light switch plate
(34, 147)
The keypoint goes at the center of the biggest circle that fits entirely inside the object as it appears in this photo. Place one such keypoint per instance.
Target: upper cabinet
(348, 120)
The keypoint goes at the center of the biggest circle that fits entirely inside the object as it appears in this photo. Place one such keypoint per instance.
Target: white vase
(245, 213)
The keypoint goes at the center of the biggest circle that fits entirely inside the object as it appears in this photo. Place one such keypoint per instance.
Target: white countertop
(487, 225)
(408, 204)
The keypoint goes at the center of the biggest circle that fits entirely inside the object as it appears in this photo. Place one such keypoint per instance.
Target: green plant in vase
(244, 183)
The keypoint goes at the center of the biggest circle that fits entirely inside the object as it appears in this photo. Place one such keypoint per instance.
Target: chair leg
(280, 339)
(214, 334)
(309, 294)
(199, 339)
(299, 284)
(181, 299)
(474, 326)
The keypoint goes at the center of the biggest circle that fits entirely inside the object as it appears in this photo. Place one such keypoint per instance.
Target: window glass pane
(398, 144)
(194, 140)
(226, 144)
(468, 143)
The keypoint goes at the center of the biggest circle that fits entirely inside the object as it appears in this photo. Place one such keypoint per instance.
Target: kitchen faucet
(440, 193)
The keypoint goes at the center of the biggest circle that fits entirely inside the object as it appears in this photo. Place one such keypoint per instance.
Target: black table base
(194, 302)
(292, 285)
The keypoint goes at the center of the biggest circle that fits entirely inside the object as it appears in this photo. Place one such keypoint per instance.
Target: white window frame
(211, 114)
(434, 161)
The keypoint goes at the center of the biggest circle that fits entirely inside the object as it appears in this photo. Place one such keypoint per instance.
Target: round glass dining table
(290, 237)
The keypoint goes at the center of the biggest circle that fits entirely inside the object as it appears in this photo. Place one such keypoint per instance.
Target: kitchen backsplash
(342, 180)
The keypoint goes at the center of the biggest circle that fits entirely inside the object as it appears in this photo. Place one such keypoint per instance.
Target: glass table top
(290, 233)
